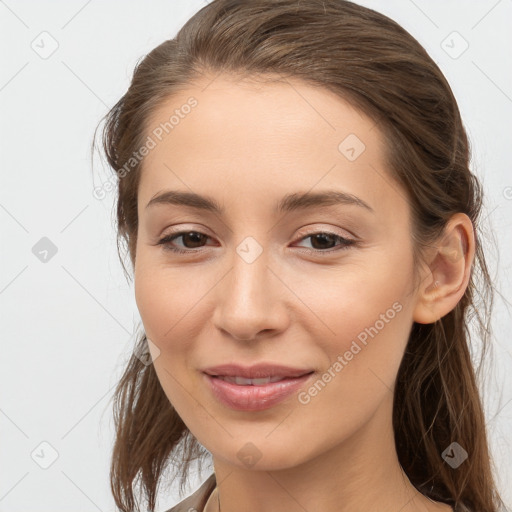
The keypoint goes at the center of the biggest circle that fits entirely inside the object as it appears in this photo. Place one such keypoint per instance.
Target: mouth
(243, 381)
(254, 394)
(257, 373)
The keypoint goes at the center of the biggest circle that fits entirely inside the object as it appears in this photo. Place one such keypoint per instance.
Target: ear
(449, 271)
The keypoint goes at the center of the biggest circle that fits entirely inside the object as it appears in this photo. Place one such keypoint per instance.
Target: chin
(266, 455)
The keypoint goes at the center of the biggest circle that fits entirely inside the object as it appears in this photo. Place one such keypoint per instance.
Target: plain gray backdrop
(68, 315)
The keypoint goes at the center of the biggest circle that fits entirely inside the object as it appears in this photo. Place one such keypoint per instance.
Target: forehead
(253, 111)
(260, 137)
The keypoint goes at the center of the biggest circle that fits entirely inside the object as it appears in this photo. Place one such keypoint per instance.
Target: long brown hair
(369, 60)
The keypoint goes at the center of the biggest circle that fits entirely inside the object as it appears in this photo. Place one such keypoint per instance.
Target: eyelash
(346, 243)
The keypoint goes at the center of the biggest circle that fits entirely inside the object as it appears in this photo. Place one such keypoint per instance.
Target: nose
(251, 301)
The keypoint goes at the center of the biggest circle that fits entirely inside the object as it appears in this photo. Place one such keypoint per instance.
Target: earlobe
(449, 271)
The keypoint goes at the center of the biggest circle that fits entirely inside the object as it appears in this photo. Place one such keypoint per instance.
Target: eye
(195, 240)
(325, 240)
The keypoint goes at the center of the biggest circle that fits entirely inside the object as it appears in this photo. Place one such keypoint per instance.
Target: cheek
(344, 305)
(163, 297)
(363, 357)
(359, 319)
(165, 304)
(149, 295)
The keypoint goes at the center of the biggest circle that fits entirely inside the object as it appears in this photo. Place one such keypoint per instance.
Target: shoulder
(196, 501)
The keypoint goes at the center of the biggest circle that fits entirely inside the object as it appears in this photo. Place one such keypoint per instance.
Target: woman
(295, 196)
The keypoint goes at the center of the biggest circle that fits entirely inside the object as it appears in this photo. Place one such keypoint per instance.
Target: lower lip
(254, 398)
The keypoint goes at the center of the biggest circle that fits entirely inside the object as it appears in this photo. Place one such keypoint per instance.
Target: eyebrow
(290, 202)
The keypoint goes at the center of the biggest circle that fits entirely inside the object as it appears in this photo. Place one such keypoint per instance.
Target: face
(323, 286)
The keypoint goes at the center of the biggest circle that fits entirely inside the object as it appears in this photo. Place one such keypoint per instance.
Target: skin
(247, 144)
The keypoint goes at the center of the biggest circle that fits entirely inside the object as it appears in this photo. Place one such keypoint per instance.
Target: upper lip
(261, 370)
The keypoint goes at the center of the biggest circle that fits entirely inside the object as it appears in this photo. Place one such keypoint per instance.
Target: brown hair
(369, 60)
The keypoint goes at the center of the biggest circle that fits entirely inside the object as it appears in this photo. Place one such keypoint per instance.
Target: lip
(254, 398)
(257, 371)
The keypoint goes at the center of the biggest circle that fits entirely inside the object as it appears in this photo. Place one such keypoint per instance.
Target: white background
(67, 324)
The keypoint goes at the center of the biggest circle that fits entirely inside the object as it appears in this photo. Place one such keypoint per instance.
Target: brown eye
(191, 240)
(323, 242)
